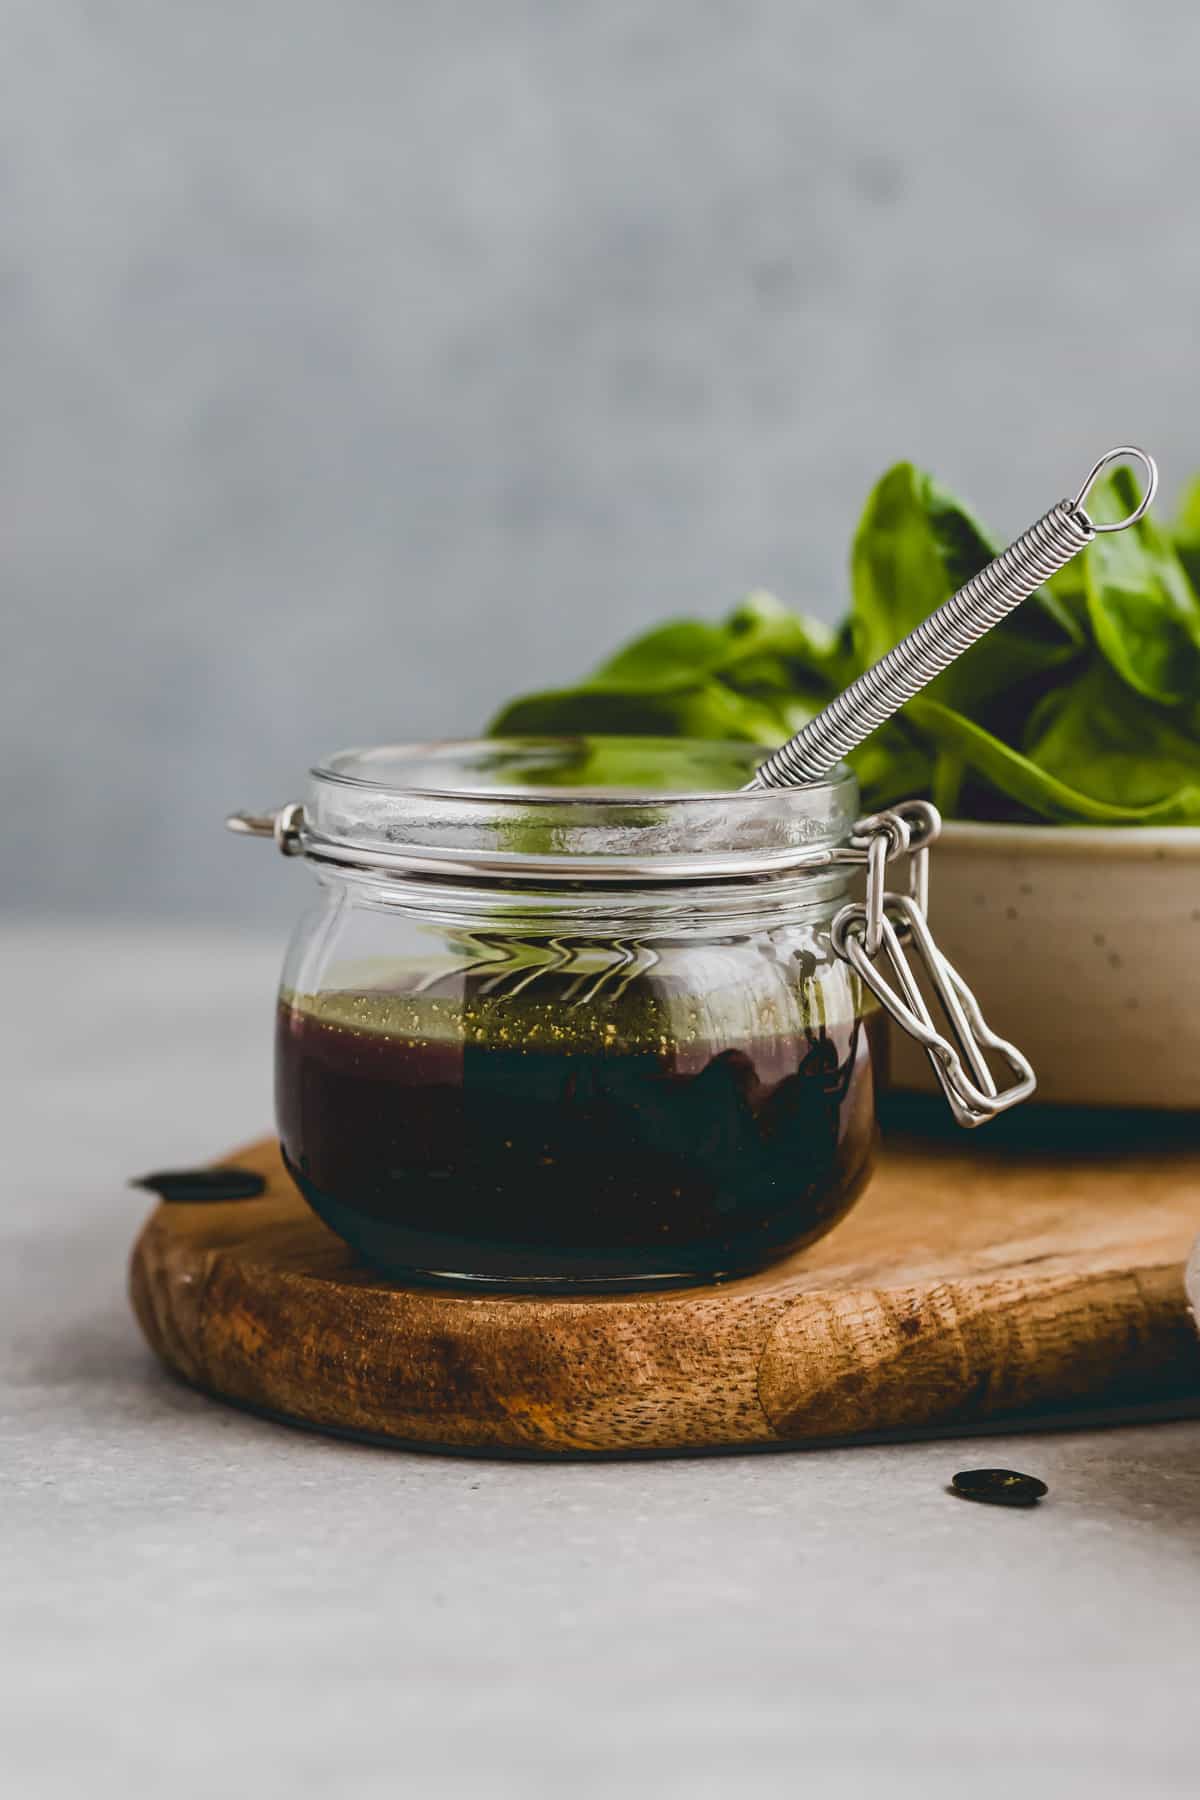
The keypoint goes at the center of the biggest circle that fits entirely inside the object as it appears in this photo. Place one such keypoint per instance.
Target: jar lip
(745, 757)
(534, 809)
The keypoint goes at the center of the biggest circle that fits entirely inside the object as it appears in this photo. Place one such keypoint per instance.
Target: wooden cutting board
(979, 1279)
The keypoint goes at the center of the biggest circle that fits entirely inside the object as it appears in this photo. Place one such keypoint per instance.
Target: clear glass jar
(540, 1032)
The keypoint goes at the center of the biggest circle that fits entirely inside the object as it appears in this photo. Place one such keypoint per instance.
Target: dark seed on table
(189, 1187)
(999, 1487)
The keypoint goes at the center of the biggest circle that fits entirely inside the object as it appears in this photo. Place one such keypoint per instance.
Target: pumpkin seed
(189, 1187)
(999, 1487)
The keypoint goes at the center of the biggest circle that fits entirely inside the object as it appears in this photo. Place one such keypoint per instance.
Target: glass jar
(546, 1031)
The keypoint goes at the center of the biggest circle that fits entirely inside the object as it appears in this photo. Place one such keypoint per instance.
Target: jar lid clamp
(884, 924)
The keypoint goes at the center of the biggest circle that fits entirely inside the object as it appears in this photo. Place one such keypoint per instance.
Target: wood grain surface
(974, 1282)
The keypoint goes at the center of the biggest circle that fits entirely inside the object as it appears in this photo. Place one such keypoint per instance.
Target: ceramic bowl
(1082, 945)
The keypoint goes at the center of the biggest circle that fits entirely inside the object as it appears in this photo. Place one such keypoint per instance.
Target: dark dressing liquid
(505, 1146)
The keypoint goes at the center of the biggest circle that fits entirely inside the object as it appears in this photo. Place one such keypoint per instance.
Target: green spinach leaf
(1127, 782)
(1104, 740)
(703, 709)
(1143, 610)
(915, 546)
(1186, 534)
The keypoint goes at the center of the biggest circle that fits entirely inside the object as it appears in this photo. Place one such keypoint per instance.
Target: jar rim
(487, 754)
(532, 808)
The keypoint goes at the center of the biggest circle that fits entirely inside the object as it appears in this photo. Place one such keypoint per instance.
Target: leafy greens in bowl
(1083, 707)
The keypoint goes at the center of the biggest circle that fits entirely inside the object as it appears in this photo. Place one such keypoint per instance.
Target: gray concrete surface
(199, 1603)
(365, 363)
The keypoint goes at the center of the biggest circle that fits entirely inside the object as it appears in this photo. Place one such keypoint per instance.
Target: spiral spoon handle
(937, 641)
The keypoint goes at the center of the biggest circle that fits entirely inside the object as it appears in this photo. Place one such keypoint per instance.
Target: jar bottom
(416, 1257)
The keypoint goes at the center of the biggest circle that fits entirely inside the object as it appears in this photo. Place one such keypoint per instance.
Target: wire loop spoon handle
(937, 641)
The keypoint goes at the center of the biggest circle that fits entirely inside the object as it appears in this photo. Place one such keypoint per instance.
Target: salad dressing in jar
(543, 1034)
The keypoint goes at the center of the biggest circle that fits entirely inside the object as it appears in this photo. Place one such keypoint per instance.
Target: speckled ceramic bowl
(1083, 946)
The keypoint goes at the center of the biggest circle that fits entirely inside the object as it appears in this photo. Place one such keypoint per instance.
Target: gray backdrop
(366, 361)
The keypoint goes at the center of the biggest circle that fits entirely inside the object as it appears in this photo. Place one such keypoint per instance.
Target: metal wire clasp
(887, 923)
(286, 826)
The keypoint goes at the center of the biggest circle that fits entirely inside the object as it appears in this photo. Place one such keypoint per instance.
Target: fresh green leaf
(680, 653)
(1111, 744)
(706, 710)
(915, 546)
(758, 676)
(762, 626)
(674, 656)
(1143, 609)
(1039, 791)
(1187, 532)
